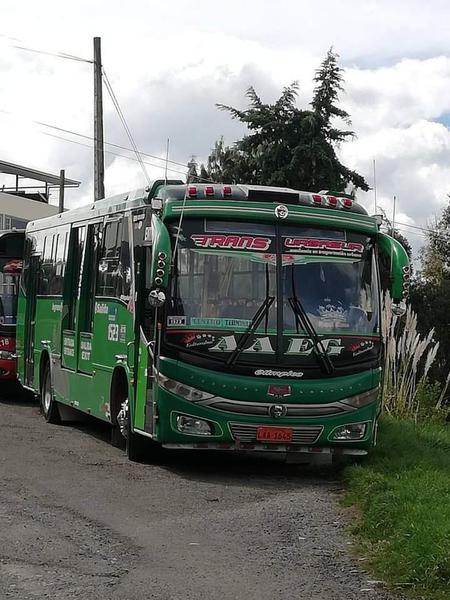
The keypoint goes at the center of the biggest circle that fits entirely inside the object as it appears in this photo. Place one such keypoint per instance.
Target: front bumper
(233, 431)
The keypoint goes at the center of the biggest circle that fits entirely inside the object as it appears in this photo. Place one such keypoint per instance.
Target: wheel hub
(122, 418)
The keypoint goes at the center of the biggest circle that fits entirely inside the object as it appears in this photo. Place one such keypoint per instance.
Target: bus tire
(118, 397)
(137, 445)
(49, 405)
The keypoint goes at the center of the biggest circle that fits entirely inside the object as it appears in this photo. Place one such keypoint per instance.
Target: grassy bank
(403, 495)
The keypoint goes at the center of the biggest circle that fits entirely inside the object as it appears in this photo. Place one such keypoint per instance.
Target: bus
(11, 252)
(228, 317)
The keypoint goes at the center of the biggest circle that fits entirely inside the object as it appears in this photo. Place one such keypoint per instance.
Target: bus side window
(94, 249)
(114, 268)
(47, 265)
(59, 263)
(109, 261)
(123, 280)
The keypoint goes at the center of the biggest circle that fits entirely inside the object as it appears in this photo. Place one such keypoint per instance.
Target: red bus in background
(11, 253)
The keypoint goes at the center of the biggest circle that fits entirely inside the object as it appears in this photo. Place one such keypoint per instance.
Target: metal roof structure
(27, 173)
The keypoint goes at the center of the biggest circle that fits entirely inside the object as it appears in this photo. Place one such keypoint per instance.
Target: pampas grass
(408, 359)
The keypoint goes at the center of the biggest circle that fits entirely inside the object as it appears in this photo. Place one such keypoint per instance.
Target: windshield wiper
(258, 317)
(319, 350)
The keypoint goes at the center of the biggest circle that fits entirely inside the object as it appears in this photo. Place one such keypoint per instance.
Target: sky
(170, 63)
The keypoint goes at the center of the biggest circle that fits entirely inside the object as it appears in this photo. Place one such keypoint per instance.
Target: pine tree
(286, 145)
(192, 175)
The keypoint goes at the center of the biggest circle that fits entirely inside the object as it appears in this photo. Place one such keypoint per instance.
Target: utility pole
(62, 175)
(99, 160)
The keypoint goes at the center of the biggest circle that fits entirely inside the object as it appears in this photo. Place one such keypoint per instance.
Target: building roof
(48, 178)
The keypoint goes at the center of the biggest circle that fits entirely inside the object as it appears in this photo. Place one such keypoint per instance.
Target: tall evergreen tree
(192, 175)
(329, 81)
(286, 145)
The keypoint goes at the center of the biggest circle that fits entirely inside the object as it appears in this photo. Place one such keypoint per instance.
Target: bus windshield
(221, 289)
(337, 294)
(226, 273)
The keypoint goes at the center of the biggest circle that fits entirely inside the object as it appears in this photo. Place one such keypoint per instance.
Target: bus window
(59, 264)
(123, 281)
(47, 265)
(114, 267)
(77, 239)
(94, 246)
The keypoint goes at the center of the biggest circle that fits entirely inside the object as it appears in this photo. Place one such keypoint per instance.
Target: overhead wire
(115, 102)
(124, 123)
(56, 54)
(88, 137)
(58, 137)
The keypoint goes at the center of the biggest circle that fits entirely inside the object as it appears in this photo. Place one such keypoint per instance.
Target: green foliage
(192, 175)
(402, 492)
(430, 290)
(286, 145)
(429, 400)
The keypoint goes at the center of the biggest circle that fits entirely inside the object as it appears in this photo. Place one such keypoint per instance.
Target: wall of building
(16, 211)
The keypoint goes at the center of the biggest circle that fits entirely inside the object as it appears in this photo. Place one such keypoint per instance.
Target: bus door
(31, 276)
(87, 297)
(144, 414)
(72, 294)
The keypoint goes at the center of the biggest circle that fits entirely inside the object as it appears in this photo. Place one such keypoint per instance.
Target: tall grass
(408, 359)
(402, 492)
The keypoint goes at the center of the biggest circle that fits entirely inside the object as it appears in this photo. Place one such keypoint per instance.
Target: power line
(124, 123)
(55, 54)
(58, 137)
(87, 137)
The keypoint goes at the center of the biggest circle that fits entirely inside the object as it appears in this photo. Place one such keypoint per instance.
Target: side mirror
(156, 298)
(398, 309)
(400, 270)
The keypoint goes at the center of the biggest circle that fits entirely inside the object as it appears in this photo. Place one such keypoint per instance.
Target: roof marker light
(316, 198)
(192, 191)
(227, 191)
(209, 190)
(332, 201)
(346, 202)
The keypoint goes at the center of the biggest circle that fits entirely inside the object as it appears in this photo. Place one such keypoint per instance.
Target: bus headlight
(5, 355)
(350, 432)
(362, 399)
(181, 389)
(193, 425)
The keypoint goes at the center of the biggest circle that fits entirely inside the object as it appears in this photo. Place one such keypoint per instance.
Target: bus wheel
(121, 434)
(49, 406)
(118, 432)
(137, 445)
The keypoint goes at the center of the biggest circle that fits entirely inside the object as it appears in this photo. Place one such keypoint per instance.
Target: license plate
(274, 434)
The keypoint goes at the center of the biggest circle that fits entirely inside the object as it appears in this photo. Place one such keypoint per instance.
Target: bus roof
(108, 206)
(166, 192)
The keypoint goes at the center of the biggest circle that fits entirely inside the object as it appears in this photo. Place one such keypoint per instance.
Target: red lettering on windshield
(245, 242)
(316, 244)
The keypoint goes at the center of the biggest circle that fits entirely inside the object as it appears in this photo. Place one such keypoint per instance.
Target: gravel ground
(77, 520)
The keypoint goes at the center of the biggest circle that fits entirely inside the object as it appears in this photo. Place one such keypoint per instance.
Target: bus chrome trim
(286, 448)
(262, 408)
(144, 433)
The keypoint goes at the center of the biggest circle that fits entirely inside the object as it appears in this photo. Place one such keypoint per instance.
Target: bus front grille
(307, 434)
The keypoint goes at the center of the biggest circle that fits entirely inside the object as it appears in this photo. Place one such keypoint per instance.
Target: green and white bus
(217, 316)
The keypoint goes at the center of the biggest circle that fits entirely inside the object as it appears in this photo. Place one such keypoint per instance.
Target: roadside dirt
(77, 520)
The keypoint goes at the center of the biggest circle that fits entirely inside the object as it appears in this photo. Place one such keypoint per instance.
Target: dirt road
(77, 520)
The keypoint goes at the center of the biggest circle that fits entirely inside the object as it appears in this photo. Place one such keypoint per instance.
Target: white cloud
(170, 63)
